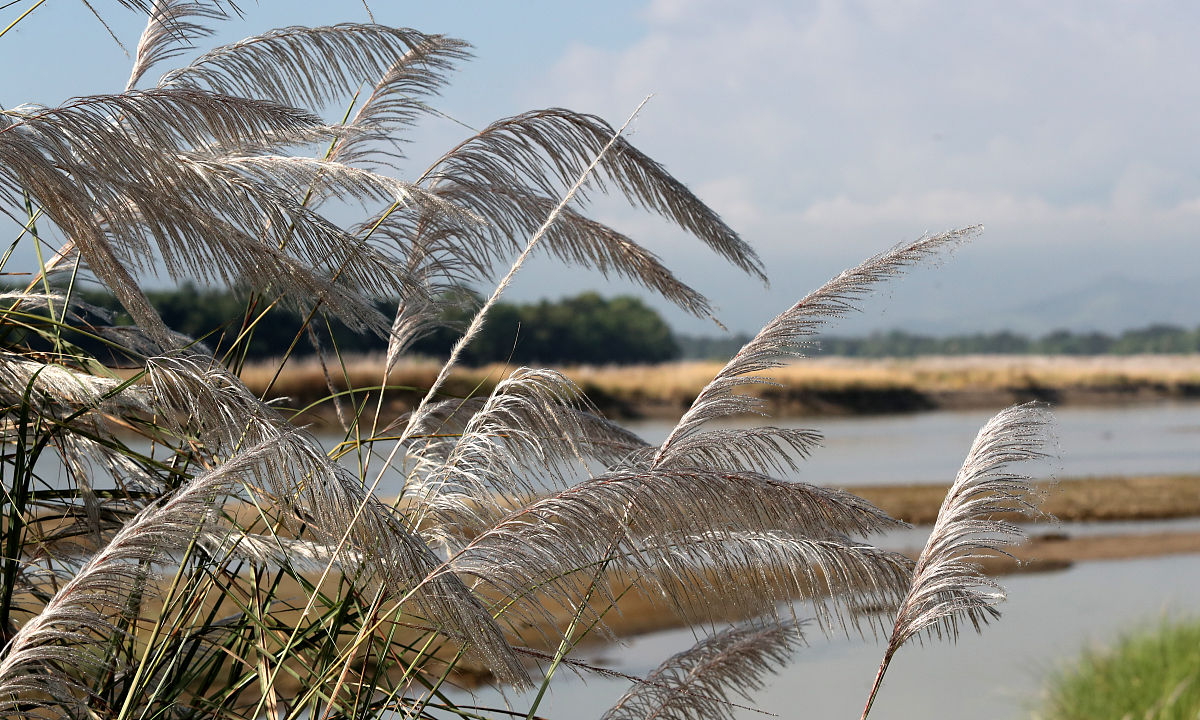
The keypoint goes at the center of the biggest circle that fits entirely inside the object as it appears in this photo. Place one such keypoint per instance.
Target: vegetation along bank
(812, 386)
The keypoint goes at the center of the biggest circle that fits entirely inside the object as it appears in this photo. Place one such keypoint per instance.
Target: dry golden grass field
(812, 386)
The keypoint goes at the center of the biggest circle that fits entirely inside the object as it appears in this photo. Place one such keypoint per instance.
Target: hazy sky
(823, 132)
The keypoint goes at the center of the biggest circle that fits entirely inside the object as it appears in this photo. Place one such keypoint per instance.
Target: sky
(823, 132)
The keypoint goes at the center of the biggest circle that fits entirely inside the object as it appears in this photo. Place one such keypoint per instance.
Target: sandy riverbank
(1095, 499)
(815, 386)
(1051, 546)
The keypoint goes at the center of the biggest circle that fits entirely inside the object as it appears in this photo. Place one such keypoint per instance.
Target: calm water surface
(1048, 619)
(996, 675)
(930, 447)
(927, 447)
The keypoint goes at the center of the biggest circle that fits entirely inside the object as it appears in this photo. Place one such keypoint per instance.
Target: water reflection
(993, 676)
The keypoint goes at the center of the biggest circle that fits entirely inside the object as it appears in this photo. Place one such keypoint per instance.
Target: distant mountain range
(1109, 305)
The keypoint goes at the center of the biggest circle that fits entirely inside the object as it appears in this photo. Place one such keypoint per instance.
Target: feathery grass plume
(547, 149)
(136, 344)
(433, 243)
(396, 101)
(530, 435)
(416, 317)
(61, 391)
(171, 28)
(112, 483)
(102, 449)
(785, 335)
(438, 261)
(629, 515)
(448, 253)
(948, 587)
(139, 125)
(267, 220)
(67, 310)
(302, 66)
(196, 178)
(833, 575)
(41, 317)
(293, 175)
(670, 528)
(320, 496)
(75, 449)
(602, 440)
(700, 682)
(765, 449)
(260, 185)
(19, 300)
(297, 555)
(77, 618)
(247, 261)
(106, 171)
(476, 323)
(574, 239)
(127, 183)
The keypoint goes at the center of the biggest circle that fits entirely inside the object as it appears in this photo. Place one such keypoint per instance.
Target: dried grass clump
(676, 384)
(202, 557)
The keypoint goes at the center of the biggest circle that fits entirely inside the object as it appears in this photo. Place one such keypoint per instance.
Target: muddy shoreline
(1087, 499)
(1051, 547)
(811, 387)
(848, 401)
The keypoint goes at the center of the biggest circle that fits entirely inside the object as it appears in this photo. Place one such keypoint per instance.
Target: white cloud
(861, 97)
(826, 131)
(943, 208)
(1065, 126)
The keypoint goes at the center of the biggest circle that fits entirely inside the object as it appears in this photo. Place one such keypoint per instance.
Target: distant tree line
(587, 328)
(584, 329)
(1152, 339)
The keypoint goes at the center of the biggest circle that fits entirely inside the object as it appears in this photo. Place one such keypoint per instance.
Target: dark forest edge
(1152, 339)
(591, 329)
(584, 328)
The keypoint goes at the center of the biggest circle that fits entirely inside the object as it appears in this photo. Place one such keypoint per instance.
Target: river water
(996, 675)
(924, 447)
(929, 447)
(1048, 619)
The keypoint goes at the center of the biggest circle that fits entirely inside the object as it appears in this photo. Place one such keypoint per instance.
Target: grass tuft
(1148, 675)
